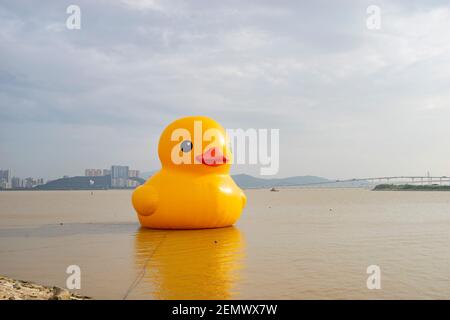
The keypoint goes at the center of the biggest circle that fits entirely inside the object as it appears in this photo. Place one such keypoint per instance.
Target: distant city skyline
(120, 177)
(350, 101)
(94, 172)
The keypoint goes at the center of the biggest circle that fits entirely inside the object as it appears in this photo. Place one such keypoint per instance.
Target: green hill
(77, 183)
(409, 187)
(246, 181)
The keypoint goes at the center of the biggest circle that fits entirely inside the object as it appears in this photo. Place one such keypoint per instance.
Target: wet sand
(292, 244)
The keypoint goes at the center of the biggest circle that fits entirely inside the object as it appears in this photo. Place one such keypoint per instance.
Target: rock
(11, 289)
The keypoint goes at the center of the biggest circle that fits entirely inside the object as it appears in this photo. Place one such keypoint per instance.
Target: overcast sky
(349, 101)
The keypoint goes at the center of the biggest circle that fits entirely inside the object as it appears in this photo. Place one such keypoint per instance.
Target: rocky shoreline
(409, 187)
(11, 289)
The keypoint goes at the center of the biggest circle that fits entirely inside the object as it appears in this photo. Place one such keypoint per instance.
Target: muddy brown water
(292, 244)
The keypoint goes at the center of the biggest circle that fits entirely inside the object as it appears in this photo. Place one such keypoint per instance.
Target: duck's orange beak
(212, 157)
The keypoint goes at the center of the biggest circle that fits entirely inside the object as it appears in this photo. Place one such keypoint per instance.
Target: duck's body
(206, 201)
(190, 196)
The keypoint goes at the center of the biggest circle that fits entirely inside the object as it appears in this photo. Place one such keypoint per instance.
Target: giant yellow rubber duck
(193, 189)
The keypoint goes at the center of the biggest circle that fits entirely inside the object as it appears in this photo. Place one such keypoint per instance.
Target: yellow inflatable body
(193, 190)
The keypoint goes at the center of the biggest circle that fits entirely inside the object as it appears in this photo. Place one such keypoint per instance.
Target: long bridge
(417, 180)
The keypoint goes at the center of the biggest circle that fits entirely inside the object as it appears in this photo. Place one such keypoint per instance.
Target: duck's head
(195, 144)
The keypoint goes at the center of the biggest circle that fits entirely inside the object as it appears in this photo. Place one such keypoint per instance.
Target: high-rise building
(16, 183)
(119, 176)
(106, 172)
(133, 173)
(29, 183)
(5, 176)
(92, 172)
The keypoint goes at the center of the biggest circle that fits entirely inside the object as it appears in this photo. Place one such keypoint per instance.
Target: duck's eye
(186, 146)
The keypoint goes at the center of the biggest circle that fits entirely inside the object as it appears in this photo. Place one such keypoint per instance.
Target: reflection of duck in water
(195, 264)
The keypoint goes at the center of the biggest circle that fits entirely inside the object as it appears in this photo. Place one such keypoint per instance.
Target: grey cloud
(335, 89)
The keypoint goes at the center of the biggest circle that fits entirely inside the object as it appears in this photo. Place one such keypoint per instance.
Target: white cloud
(144, 4)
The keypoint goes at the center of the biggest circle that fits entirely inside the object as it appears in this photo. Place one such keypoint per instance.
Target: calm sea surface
(292, 244)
